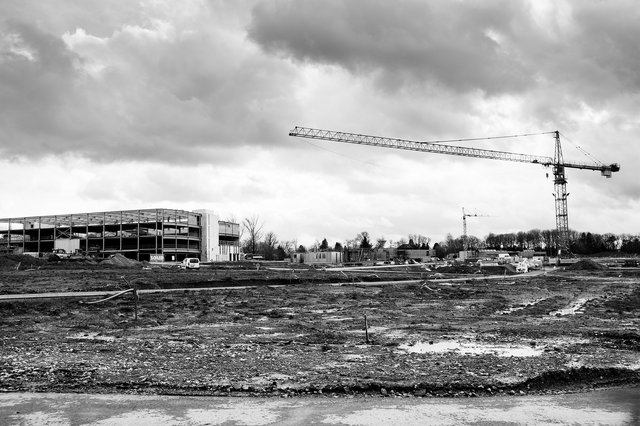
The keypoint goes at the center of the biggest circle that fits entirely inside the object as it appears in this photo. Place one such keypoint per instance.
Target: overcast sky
(109, 105)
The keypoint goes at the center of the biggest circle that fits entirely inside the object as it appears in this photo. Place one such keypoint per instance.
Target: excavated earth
(260, 331)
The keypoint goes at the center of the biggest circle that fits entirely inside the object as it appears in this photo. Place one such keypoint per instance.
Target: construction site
(261, 329)
(132, 320)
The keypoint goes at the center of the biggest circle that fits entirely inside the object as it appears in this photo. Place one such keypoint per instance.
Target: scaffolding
(149, 234)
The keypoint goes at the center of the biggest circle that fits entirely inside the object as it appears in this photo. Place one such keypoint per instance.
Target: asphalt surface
(603, 407)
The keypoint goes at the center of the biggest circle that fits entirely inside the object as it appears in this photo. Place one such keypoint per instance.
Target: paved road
(610, 407)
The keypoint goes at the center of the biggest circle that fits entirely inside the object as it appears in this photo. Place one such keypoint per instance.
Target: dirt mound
(11, 261)
(586, 265)
(120, 261)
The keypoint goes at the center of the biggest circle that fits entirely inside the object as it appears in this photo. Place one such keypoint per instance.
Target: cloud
(455, 44)
(187, 105)
(177, 86)
(495, 47)
(35, 70)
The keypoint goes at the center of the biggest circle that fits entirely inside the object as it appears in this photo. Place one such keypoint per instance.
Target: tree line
(256, 241)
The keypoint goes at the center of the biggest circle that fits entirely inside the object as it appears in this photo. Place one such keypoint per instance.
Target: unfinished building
(151, 234)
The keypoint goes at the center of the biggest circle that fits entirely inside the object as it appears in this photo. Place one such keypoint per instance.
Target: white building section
(219, 240)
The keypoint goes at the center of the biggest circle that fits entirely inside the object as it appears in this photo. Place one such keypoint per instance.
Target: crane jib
(394, 143)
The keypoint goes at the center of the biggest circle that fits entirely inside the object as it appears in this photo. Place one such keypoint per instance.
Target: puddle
(520, 307)
(324, 311)
(355, 357)
(337, 318)
(470, 348)
(263, 336)
(572, 309)
(91, 336)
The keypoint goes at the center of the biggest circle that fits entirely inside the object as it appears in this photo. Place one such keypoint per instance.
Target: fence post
(366, 329)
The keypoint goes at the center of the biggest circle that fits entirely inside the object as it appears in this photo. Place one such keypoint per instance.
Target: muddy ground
(456, 332)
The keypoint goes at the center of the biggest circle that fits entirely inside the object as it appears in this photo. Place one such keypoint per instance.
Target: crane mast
(557, 162)
(465, 215)
(560, 195)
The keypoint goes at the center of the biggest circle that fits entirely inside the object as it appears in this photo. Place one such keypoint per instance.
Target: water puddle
(471, 348)
(520, 307)
(572, 309)
(264, 336)
(337, 318)
(91, 336)
(355, 357)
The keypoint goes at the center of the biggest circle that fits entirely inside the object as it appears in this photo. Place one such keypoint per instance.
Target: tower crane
(557, 163)
(465, 215)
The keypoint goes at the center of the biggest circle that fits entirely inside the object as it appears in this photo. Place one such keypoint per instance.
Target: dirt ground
(446, 332)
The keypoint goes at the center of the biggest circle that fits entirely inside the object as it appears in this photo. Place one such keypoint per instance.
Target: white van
(191, 263)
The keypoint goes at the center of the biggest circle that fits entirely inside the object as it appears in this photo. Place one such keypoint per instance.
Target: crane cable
(487, 138)
(581, 149)
(367, 163)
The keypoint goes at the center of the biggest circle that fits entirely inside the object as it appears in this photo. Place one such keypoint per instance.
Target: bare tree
(270, 239)
(253, 227)
(363, 240)
(473, 242)
(290, 246)
(269, 245)
(419, 240)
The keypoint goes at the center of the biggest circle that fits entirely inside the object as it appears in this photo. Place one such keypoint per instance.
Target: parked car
(190, 263)
(61, 253)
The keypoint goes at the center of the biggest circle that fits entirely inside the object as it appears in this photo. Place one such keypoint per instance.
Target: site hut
(407, 251)
(156, 235)
(330, 257)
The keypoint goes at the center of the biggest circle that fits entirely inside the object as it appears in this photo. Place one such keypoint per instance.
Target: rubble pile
(11, 261)
(120, 261)
(586, 265)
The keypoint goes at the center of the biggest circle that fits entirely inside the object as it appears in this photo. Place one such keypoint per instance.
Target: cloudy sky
(121, 104)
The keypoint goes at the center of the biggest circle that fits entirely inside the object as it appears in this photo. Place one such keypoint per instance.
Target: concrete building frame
(146, 234)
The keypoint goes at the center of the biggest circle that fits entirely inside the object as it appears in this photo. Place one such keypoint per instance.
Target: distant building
(407, 251)
(149, 234)
(318, 257)
(468, 255)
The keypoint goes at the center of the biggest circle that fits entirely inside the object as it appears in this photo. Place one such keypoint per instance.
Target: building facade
(151, 234)
(317, 257)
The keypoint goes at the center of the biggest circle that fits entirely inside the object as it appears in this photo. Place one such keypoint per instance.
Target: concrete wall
(210, 244)
(66, 244)
(227, 253)
(211, 248)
